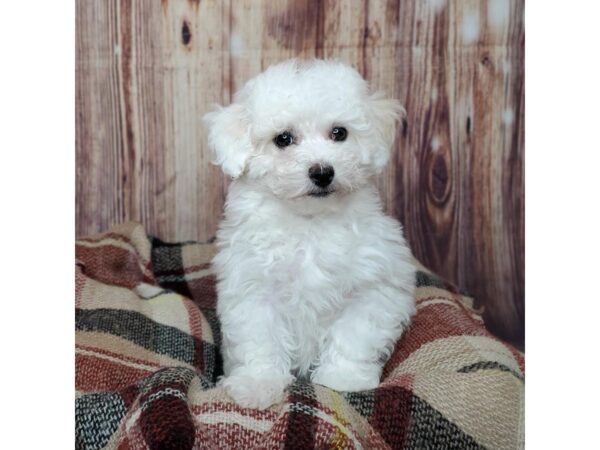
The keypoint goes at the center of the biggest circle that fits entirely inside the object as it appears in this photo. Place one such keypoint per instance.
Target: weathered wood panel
(148, 71)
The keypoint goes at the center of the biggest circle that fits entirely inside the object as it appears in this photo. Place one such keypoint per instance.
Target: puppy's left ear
(384, 114)
(229, 138)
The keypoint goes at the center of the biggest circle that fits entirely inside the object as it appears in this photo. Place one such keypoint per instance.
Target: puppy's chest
(315, 265)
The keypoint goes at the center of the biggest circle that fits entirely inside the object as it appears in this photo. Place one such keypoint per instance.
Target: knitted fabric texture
(147, 359)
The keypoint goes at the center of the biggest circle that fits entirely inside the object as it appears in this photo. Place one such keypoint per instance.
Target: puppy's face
(305, 132)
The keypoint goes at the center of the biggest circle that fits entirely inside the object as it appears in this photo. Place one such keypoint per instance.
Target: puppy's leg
(257, 366)
(363, 337)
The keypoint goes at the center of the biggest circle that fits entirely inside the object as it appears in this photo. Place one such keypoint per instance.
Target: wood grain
(148, 71)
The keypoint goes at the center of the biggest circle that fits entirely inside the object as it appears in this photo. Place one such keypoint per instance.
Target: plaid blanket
(147, 359)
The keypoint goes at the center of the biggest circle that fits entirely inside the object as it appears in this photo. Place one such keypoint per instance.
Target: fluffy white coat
(309, 286)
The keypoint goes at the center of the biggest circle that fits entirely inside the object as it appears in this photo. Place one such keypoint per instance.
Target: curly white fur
(315, 287)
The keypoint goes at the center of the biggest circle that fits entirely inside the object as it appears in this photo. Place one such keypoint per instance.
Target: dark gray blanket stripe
(363, 401)
(427, 280)
(167, 265)
(131, 325)
(429, 429)
(97, 417)
(486, 365)
(166, 257)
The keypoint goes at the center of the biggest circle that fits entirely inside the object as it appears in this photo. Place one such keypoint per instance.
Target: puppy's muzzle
(322, 176)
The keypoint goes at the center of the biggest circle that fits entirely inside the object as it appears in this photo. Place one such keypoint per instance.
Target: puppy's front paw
(348, 379)
(254, 391)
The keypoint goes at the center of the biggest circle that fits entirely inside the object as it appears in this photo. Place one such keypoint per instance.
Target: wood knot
(294, 27)
(404, 127)
(186, 34)
(373, 34)
(486, 61)
(439, 180)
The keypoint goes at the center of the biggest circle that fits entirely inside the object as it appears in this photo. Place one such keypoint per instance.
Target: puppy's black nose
(321, 175)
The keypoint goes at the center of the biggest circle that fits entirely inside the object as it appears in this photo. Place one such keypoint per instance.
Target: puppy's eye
(339, 134)
(284, 139)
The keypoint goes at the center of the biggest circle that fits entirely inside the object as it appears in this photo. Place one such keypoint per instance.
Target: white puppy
(313, 279)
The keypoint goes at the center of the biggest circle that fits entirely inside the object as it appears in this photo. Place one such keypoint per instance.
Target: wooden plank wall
(147, 71)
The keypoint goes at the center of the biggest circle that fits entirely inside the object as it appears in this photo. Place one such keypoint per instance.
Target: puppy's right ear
(229, 138)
